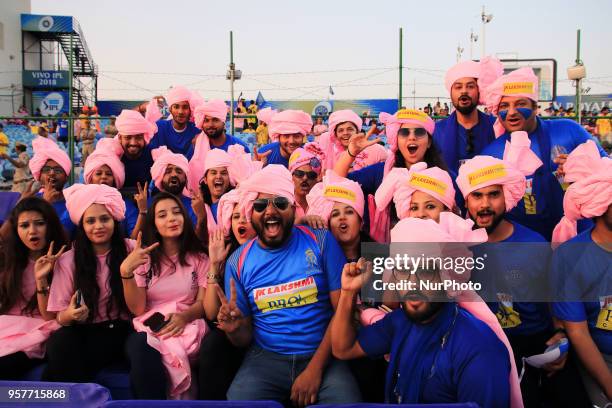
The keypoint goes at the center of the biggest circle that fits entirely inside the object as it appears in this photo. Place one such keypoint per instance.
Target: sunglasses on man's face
(312, 175)
(419, 133)
(260, 205)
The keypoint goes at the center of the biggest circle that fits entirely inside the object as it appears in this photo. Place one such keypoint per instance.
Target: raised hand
(198, 204)
(313, 221)
(50, 194)
(141, 198)
(229, 317)
(139, 256)
(262, 157)
(28, 192)
(44, 264)
(359, 142)
(218, 250)
(356, 274)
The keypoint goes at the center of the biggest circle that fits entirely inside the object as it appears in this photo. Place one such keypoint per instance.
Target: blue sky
(144, 47)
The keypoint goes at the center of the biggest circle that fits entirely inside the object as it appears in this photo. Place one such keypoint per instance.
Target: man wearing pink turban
(50, 166)
(513, 98)
(288, 130)
(178, 133)
(305, 169)
(431, 338)
(170, 173)
(134, 134)
(467, 130)
(580, 270)
(491, 188)
(282, 285)
(210, 116)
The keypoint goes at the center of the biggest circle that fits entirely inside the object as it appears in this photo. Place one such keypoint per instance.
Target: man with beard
(467, 131)
(513, 99)
(305, 169)
(439, 351)
(178, 133)
(283, 286)
(210, 117)
(134, 133)
(287, 129)
(169, 173)
(492, 187)
(581, 273)
(51, 166)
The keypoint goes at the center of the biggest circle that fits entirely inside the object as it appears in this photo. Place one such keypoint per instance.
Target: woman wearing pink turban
(409, 136)
(26, 262)
(164, 281)
(343, 124)
(86, 291)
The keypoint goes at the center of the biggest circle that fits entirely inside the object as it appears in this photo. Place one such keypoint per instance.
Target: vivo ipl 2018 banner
(42, 23)
(50, 103)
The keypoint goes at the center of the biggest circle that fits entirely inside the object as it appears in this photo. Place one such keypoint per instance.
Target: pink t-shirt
(28, 288)
(175, 283)
(62, 287)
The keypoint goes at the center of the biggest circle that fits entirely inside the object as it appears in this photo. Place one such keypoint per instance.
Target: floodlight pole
(70, 120)
(578, 81)
(232, 72)
(401, 68)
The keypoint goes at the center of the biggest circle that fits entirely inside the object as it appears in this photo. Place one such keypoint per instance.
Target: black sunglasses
(418, 132)
(281, 203)
(312, 175)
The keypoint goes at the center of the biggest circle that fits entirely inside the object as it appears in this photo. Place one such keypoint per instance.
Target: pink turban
(265, 115)
(162, 157)
(273, 179)
(485, 71)
(588, 197)
(484, 171)
(79, 197)
(217, 158)
(44, 150)
(225, 209)
(178, 94)
(302, 157)
(521, 82)
(454, 229)
(243, 165)
(106, 154)
(215, 108)
(334, 189)
(393, 123)
(131, 122)
(328, 140)
(582, 162)
(289, 122)
(401, 183)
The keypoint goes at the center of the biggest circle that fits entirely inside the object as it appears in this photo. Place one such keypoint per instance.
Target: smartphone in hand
(156, 322)
(79, 298)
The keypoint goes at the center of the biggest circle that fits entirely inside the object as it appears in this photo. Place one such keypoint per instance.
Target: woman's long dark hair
(15, 255)
(432, 157)
(86, 268)
(188, 241)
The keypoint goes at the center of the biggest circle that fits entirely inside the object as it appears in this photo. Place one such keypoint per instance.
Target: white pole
(482, 34)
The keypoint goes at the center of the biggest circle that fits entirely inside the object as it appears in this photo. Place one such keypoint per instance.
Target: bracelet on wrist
(44, 290)
(127, 277)
(348, 150)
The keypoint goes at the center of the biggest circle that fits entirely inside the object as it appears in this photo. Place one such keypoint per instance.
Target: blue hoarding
(50, 103)
(43, 23)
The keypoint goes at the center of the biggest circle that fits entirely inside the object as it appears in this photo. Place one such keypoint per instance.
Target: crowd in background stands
(212, 271)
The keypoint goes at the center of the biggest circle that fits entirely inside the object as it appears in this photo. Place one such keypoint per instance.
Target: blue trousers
(265, 375)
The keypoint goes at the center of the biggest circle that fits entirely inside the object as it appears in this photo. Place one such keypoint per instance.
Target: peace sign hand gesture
(230, 317)
(141, 198)
(44, 264)
(139, 256)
